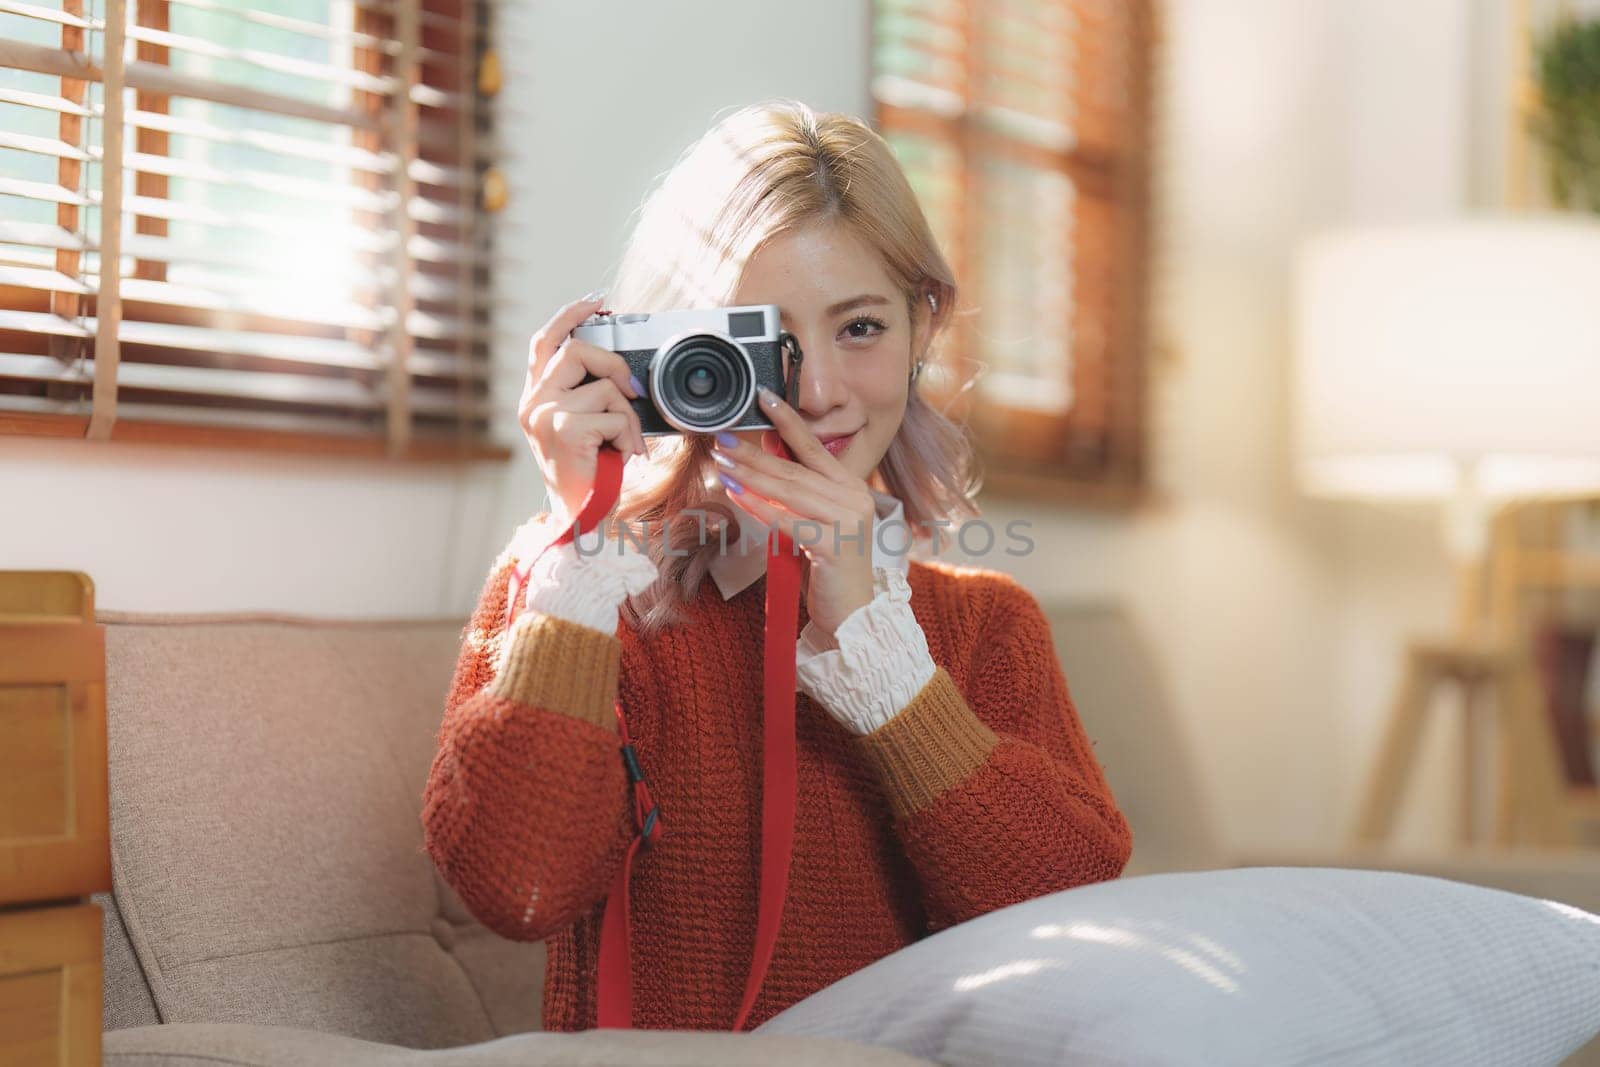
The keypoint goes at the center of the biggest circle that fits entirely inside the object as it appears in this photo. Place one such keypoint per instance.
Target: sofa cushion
(1268, 965)
(267, 861)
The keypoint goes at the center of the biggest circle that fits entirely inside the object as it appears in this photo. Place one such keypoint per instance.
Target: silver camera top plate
(632, 331)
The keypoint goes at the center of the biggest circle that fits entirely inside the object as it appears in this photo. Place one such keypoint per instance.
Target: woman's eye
(877, 328)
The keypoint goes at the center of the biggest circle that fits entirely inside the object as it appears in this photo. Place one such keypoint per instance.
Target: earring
(933, 301)
(916, 371)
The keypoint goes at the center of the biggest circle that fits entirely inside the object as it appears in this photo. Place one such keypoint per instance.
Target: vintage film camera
(701, 367)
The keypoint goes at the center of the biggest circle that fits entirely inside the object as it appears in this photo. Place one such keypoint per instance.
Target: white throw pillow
(1249, 965)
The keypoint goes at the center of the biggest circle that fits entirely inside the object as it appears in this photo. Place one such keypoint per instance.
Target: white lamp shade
(1423, 353)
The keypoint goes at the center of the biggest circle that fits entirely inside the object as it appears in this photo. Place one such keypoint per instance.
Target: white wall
(1279, 619)
(1422, 142)
(180, 529)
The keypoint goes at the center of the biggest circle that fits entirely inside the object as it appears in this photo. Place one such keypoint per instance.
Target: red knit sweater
(982, 792)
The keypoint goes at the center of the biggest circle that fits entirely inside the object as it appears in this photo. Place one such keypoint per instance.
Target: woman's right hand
(566, 422)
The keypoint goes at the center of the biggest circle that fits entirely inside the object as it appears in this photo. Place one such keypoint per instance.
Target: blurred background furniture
(1544, 595)
(1442, 361)
(54, 833)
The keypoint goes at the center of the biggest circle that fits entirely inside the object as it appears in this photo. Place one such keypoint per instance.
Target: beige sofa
(272, 903)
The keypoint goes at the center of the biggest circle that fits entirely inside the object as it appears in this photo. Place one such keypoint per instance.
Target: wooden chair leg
(1540, 784)
(1471, 749)
(1505, 800)
(1396, 753)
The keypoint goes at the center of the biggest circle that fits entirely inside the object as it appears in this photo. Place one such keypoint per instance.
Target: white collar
(746, 559)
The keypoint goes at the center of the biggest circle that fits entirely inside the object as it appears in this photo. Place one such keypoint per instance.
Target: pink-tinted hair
(762, 170)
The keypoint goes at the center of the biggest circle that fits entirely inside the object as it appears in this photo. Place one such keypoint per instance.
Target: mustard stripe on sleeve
(563, 666)
(931, 744)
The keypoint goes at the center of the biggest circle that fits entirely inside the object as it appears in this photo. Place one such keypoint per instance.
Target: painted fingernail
(590, 298)
(722, 459)
(638, 386)
(726, 440)
(768, 397)
(730, 483)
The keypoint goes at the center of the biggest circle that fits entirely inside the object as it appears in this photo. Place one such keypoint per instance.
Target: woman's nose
(821, 385)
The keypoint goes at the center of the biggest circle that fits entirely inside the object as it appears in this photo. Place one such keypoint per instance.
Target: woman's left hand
(783, 493)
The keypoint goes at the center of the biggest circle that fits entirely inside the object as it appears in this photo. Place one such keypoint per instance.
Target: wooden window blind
(245, 224)
(1023, 126)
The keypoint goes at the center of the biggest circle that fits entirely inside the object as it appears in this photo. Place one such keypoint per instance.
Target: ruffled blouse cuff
(589, 586)
(878, 661)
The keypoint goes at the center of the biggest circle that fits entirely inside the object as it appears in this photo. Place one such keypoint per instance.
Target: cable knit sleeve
(877, 661)
(994, 787)
(526, 812)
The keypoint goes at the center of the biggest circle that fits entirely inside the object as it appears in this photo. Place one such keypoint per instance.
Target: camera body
(700, 367)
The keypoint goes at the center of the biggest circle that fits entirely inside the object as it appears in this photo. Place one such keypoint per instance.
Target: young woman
(942, 768)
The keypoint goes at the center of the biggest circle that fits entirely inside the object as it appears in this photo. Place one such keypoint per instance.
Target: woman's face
(853, 328)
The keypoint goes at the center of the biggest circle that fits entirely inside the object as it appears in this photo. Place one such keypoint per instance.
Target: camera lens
(702, 383)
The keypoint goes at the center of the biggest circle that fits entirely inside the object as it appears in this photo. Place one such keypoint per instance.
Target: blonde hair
(762, 170)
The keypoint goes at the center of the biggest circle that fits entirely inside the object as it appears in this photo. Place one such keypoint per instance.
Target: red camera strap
(779, 780)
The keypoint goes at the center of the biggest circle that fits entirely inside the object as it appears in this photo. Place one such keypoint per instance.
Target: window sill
(420, 450)
(1061, 490)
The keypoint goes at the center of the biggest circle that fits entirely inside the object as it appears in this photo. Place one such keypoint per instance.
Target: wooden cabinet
(50, 977)
(55, 846)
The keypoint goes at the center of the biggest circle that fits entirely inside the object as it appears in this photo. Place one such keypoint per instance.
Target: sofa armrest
(207, 1044)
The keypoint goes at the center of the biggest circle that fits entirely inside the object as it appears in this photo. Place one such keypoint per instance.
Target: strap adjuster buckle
(649, 820)
(630, 760)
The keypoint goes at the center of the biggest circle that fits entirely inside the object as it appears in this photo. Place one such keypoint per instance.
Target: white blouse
(876, 663)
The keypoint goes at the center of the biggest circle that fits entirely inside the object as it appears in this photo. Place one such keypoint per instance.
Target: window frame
(1024, 453)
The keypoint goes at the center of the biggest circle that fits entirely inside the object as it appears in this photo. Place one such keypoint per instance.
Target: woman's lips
(839, 444)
